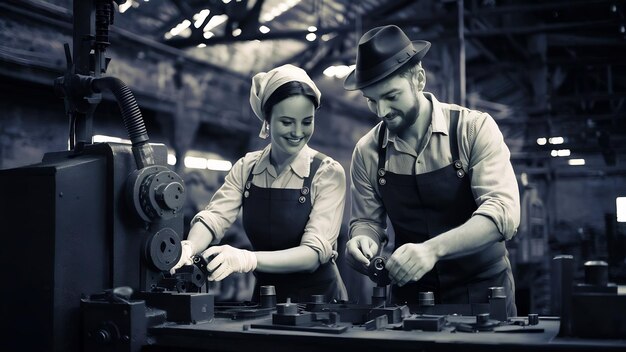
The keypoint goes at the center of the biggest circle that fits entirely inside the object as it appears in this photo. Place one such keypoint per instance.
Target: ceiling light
(208, 35)
(576, 162)
(312, 28)
(171, 159)
(236, 32)
(556, 140)
(560, 152)
(264, 29)
(620, 205)
(200, 17)
(214, 22)
(218, 165)
(193, 162)
(542, 141)
(311, 37)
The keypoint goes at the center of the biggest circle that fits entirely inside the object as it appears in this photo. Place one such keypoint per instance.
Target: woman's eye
(392, 97)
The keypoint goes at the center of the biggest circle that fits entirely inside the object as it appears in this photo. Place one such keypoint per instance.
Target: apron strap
(454, 143)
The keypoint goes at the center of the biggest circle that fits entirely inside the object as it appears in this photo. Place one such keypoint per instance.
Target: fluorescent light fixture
(560, 152)
(620, 203)
(214, 22)
(312, 28)
(218, 165)
(171, 159)
(311, 37)
(339, 71)
(576, 162)
(542, 141)
(180, 27)
(264, 29)
(200, 17)
(193, 162)
(556, 140)
(278, 10)
(196, 159)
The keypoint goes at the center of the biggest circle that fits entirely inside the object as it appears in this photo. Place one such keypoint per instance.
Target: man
(440, 172)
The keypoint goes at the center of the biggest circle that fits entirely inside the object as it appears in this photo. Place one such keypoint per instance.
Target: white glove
(227, 260)
(188, 250)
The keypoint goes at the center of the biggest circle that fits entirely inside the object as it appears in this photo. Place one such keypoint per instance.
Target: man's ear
(421, 79)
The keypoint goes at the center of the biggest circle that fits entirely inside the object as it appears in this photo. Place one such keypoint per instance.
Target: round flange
(163, 249)
(156, 192)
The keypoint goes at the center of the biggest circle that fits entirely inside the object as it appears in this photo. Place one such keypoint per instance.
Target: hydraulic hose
(133, 120)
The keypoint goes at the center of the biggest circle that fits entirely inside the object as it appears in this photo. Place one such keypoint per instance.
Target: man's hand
(225, 260)
(410, 262)
(360, 250)
(185, 257)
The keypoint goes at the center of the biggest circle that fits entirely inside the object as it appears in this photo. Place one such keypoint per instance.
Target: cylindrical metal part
(562, 281)
(426, 299)
(533, 319)
(379, 295)
(287, 308)
(317, 298)
(596, 273)
(267, 296)
(496, 292)
(482, 318)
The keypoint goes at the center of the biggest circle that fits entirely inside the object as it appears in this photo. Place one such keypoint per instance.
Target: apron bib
(275, 219)
(426, 205)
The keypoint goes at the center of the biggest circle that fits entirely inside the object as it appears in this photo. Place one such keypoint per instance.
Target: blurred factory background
(551, 73)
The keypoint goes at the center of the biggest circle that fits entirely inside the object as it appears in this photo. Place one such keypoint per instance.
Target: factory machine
(91, 233)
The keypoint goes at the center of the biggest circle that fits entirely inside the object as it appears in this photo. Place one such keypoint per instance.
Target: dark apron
(426, 205)
(274, 219)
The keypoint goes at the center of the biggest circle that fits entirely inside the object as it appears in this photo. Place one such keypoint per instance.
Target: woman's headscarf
(265, 83)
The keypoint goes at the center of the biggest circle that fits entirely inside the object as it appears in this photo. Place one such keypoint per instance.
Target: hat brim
(350, 82)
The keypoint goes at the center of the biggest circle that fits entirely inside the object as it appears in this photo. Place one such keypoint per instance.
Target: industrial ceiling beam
(517, 9)
(540, 28)
(301, 34)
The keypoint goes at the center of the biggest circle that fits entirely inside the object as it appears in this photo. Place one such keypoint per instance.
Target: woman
(292, 199)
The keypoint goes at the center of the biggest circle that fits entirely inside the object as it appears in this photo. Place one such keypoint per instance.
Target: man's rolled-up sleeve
(368, 216)
(492, 177)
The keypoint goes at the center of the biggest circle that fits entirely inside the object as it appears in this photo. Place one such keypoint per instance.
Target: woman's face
(291, 125)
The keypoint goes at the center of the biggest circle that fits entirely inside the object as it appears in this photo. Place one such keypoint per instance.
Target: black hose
(133, 120)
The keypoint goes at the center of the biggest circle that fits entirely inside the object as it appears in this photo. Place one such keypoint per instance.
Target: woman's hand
(185, 257)
(225, 260)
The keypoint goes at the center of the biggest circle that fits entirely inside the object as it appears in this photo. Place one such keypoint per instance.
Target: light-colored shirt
(328, 190)
(483, 153)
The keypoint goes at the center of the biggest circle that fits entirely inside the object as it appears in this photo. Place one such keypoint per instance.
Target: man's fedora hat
(381, 51)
